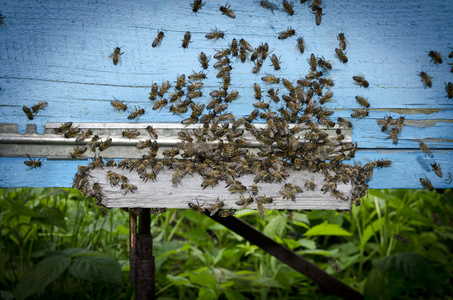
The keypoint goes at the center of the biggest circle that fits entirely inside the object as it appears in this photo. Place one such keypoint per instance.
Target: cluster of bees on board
(217, 150)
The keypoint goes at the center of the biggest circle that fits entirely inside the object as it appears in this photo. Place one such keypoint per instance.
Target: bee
(288, 7)
(252, 116)
(260, 208)
(226, 212)
(313, 75)
(37, 107)
(159, 104)
(196, 5)
(273, 94)
(84, 136)
(394, 135)
(221, 63)
(330, 186)
(243, 54)
(136, 114)
(342, 41)
(71, 132)
(153, 94)
(130, 133)
(449, 90)
(111, 163)
(195, 86)
(340, 55)
(152, 133)
(179, 82)
(324, 64)
(261, 105)
(301, 45)
(158, 39)
(215, 34)
(116, 56)
(189, 121)
(326, 98)
(400, 124)
(212, 236)
(383, 163)
(359, 113)
(287, 33)
(78, 151)
(186, 40)
(304, 82)
(270, 79)
(28, 112)
(437, 169)
(163, 89)
(244, 202)
(425, 149)
(387, 122)
(317, 88)
(362, 101)
(268, 5)
(104, 145)
(128, 187)
(246, 45)
(310, 185)
(315, 4)
(427, 184)
(234, 47)
(197, 207)
(196, 109)
(436, 218)
(158, 210)
(360, 80)
(32, 163)
(257, 67)
(401, 238)
(197, 76)
(435, 57)
(94, 143)
(2, 23)
(318, 16)
(339, 195)
(257, 89)
(275, 62)
(426, 79)
(227, 11)
(216, 207)
(222, 53)
(233, 95)
(203, 59)
(119, 105)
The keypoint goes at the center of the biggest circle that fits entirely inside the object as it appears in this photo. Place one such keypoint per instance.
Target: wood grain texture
(58, 51)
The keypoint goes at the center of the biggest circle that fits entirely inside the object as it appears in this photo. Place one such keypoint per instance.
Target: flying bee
(275, 62)
(130, 134)
(425, 149)
(28, 112)
(71, 132)
(197, 76)
(78, 151)
(196, 5)
(288, 7)
(257, 89)
(37, 107)
(234, 47)
(260, 208)
(437, 169)
(212, 236)
(84, 136)
(301, 45)
(32, 163)
(362, 101)
(359, 113)
(203, 59)
(104, 145)
(257, 67)
(128, 187)
(116, 56)
(153, 93)
(435, 57)
(342, 41)
(270, 79)
(340, 55)
(221, 63)
(427, 184)
(436, 218)
(426, 79)
(186, 40)
(360, 80)
(318, 16)
(449, 90)
(119, 105)
(402, 238)
(136, 114)
(227, 11)
(158, 39)
(394, 135)
(246, 45)
(215, 34)
(94, 143)
(387, 122)
(287, 33)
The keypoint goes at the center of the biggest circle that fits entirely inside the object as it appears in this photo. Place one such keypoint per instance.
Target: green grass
(57, 244)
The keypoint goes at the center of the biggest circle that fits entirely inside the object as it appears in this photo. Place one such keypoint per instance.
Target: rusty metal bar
(144, 260)
(132, 245)
(298, 263)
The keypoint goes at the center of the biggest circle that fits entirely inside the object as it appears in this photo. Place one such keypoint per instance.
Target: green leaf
(375, 285)
(6, 295)
(103, 268)
(369, 231)
(410, 264)
(179, 280)
(53, 216)
(204, 279)
(276, 226)
(327, 229)
(40, 275)
(233, 295)
(206, 294)
(309, 244)
(19, 208)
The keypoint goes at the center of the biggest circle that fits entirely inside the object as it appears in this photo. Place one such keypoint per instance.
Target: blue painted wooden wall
(58, 51)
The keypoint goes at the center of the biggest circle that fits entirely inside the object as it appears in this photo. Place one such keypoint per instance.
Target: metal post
(132, 245)
(144, 259)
